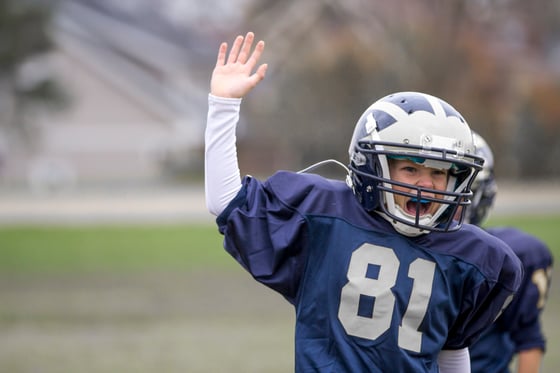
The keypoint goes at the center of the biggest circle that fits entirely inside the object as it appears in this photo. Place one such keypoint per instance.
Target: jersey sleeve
(265, 226)
(522, 319)
(487, 293)
(266, 236)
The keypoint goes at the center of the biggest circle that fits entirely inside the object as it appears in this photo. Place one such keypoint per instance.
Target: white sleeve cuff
(454, 361)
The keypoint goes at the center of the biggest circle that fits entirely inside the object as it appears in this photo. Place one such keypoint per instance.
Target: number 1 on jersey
(420, 270)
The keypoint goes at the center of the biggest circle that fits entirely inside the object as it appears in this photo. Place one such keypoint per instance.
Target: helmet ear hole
(365, 189)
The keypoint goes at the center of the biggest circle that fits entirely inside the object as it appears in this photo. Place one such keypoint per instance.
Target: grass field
(157, 298)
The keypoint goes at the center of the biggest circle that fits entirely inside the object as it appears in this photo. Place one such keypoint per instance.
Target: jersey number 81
(421, 271)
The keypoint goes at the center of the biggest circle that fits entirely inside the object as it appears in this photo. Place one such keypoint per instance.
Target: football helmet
(428, 131)
(484, 186)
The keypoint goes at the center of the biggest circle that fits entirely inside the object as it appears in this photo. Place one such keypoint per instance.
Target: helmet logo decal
(450, 111)
(410, 103)
(383, 119)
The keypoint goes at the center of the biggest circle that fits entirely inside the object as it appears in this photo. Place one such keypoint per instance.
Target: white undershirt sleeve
(222, 180)
(454, 361)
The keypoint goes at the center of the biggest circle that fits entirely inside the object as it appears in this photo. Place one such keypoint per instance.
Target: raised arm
(232, 79)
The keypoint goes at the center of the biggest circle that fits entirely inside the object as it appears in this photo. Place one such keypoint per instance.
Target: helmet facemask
(415, 137)
(456, 194)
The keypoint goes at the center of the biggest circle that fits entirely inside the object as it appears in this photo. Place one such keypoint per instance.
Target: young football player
(518, 331)
(381, 277)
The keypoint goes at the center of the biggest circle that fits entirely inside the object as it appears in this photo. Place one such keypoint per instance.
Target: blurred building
(137, 73)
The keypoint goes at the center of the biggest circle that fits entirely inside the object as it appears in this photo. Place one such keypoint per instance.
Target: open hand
(234, 77)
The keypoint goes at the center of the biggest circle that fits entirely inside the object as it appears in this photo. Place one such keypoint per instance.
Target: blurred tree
(535, 141)
(537, 137)
(329, 60)
(24, 84)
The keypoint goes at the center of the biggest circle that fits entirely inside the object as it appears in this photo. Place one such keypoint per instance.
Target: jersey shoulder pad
(532, 251)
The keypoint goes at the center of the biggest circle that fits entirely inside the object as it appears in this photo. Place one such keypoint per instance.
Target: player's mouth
(423, 206)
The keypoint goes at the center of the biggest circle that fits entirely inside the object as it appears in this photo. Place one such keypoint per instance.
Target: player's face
(457, 215)
(406, 171)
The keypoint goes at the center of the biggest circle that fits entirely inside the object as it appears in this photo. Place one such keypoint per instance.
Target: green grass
(545, 227)
(155, 247)
(110, 248)
(48, 308)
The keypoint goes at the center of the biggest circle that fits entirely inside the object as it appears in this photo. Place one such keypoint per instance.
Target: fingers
(255, 78)
(242, 58)
(222, 54)
(256, 55)
(234, 52)
(260, 73)
(240, 51)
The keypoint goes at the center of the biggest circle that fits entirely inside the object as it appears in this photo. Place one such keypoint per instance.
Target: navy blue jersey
(366, 297)
(519, 327)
